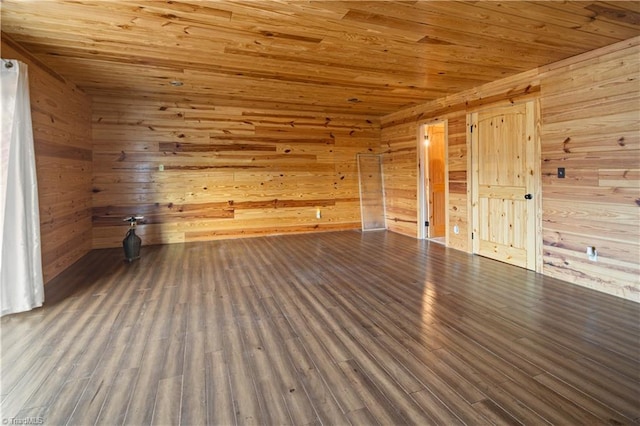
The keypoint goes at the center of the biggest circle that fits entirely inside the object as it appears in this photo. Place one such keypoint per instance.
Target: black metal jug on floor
(132, 242)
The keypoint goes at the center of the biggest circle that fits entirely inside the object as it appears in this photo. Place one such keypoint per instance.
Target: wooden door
(436, 181)
(504, 203)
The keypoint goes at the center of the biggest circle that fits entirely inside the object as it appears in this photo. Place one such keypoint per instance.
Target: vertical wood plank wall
(61, 116)
(590, 125)
(228, 171)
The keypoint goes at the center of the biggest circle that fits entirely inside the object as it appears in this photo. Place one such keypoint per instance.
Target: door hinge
(471, 128)
(426, 223)
(472, 235)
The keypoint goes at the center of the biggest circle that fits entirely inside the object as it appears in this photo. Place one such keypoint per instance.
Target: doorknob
(528, 196)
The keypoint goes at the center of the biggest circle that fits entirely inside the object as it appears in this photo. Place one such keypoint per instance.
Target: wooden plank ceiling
(372, 57)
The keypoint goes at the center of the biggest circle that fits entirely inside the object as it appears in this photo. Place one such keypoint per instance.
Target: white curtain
(21, 282)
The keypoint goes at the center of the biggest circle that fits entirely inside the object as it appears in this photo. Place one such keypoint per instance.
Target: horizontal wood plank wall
(590, 125)
(61, 116)
(400, 174)
(228, 171)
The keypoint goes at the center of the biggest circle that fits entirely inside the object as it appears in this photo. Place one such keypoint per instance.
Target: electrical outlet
(318, 214)
(161, 168)
(592, 253)
(561, 173)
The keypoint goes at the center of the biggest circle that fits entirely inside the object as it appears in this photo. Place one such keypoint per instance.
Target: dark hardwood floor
(331, 328)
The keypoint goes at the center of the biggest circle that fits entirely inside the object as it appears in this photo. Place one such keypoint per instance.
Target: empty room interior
(320, 212)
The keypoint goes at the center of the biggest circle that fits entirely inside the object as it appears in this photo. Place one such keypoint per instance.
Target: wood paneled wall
(590, 125)
(228, 171)
(61, 116)
(400, 167)
(399, 140)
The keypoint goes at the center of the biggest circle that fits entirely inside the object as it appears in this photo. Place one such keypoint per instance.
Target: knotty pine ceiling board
(350, 57)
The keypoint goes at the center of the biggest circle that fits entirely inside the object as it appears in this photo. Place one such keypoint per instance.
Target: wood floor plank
(245, 399)
(606, 349)
(194, 398)
(269, 389)
(387, 383)
(328, 328)
(621, 395)
(168, 402)
(488, 373)
(376, 350)
(220, 405)
(60, 410)
(283, 312)
(548, 404)
(599, 409)
(494, 413)
(140, 320)
(362, 417)
(82, 358)
(326, 371)
(322, 399)
(447, 391)
(142, 401)
(114, 407)
(374, 399)
(250, 316)
(278, 374)
(436, 411)
(90, 402)
(26, 353)
(35, 374)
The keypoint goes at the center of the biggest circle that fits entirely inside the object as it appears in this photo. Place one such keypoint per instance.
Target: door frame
(534, 150)
(423, 164)
(383, 195)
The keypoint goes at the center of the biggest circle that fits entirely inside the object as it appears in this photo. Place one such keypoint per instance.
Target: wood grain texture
(228, 172)
(505, 154)
(290, 330)
(300, 55)
(591, 131)
(273, 109)
(589, 126)
(436, 181)
(61, 116)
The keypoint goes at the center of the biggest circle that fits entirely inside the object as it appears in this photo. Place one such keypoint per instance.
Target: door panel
(504, 169)
(372, 207)
(436, 181)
